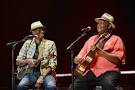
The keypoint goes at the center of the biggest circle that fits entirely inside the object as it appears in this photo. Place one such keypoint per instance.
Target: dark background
(64, 20)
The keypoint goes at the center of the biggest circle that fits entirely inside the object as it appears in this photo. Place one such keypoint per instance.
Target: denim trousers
(107, 81)
(28, 80)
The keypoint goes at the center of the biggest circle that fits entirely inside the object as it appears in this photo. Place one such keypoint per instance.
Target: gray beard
(99, 30)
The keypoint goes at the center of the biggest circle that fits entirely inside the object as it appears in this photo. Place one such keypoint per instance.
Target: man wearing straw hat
(107, 52)
(36, 62)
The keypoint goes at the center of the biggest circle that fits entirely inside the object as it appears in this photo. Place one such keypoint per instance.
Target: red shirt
(99, 64)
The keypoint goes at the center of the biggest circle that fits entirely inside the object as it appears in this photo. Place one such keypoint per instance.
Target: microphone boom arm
(71, 45)
(20, 41)
(83, 34)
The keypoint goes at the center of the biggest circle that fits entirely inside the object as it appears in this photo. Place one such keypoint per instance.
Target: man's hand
(39, 82)
(98, 49)
(31, 62)
(77, 60)
(95, 48)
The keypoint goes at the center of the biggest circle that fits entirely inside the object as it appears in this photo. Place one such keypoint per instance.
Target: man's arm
(110, 57)
(21, 58)
(117, 54)
(51, 66)
(31, 62)
(21, 62)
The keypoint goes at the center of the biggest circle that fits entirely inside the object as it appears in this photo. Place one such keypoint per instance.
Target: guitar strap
(102, 42)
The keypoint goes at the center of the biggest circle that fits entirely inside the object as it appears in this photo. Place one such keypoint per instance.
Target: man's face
(39, 32)
(102, 26)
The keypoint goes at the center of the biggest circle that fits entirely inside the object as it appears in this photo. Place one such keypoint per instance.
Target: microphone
(30, 36)
(86, 29)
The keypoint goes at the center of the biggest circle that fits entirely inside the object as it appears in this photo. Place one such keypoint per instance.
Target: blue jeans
(108, 81)
(30, 80)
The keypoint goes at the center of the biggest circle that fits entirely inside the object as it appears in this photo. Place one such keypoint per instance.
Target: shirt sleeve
(119, 50)
(83, 51)
(86, 47)
(22, 52)
(53, 56)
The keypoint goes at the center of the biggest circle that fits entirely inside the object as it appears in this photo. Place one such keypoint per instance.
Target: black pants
(107, 81)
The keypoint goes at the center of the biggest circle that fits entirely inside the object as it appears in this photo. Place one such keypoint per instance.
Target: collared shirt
(100, 64)
(47, 50)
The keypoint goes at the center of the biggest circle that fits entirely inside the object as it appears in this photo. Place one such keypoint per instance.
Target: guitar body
(81, 68)
(23, 70)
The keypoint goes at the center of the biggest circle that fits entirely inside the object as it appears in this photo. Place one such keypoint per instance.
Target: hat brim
(38, 27)
(98, 19)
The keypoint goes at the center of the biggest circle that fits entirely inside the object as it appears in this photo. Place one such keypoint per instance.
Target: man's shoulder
(116, 36)
(28, 41)
(93, 37)
(48, 41)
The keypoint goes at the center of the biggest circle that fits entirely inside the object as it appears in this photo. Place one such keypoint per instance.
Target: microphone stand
(70, 47)
(14, 44)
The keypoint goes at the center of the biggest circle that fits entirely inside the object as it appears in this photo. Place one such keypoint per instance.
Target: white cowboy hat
(36, 25)
(106, 17)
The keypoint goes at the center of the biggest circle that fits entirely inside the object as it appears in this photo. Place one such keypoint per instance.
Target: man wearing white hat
(104, 53)
(37, 61)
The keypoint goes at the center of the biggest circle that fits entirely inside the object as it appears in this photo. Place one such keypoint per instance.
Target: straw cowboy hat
(36, 25)
(106, 17)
